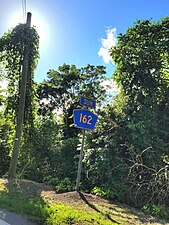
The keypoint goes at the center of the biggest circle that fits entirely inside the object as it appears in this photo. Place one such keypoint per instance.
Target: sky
(79, 32)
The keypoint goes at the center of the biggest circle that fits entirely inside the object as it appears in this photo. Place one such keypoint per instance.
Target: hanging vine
(13, 44)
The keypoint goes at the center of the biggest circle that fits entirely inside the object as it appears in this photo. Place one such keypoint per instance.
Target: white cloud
(111, 87)
(107, 43)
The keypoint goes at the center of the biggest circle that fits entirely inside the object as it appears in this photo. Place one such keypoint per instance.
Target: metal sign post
(80, 162)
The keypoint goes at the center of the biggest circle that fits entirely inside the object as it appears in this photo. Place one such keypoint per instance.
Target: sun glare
(37, 21)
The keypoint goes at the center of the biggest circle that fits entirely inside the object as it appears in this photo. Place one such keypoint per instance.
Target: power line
(24, 9)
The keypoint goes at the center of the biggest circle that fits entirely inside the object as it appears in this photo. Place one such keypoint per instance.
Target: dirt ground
(83, 201)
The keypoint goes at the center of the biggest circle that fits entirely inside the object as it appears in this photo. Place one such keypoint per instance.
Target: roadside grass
(48, 208)
(43, 213)
(20, 203)
(48, 214)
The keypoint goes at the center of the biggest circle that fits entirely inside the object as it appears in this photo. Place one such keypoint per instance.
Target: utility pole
(21, 110)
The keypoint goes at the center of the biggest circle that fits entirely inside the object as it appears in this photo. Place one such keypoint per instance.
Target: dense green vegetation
(126, 157)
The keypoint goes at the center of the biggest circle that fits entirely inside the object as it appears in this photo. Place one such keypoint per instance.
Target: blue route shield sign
(87, 102)
(84, 119)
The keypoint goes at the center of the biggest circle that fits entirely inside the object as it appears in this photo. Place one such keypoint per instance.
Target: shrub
(65, 185)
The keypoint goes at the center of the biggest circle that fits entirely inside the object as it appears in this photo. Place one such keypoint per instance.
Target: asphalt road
(10, 218)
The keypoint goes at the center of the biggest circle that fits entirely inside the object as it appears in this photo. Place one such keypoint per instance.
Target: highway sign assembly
(84, 119)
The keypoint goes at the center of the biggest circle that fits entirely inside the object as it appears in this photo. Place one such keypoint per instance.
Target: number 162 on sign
(85, 119)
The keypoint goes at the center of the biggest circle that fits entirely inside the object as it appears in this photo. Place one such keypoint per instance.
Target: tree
(142, 58)
(142, 72)
(142, 63)
(64, 87)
